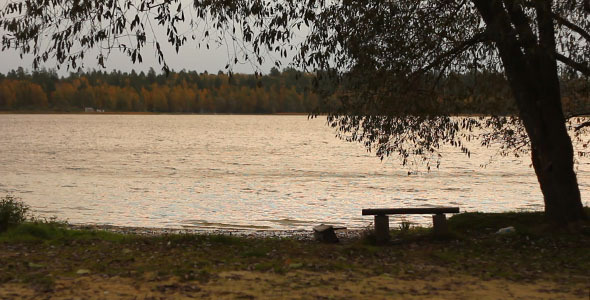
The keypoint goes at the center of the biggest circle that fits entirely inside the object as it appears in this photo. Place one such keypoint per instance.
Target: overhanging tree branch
(576, 115)
(585, 124)
(578, 66)
(477, 38)
(575, 28)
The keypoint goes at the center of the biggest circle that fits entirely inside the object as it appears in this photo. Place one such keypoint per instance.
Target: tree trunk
(531, 68)
(554, 169)
(552, 151)
(551, 147)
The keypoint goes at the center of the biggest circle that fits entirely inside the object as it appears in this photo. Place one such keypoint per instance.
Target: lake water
(235, 172)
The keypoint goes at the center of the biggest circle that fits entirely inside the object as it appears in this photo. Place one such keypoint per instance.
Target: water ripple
(263, 172)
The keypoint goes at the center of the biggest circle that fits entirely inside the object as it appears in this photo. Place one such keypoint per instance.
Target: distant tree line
(287, 91)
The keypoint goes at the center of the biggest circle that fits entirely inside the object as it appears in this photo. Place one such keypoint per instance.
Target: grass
(483, 223)
(53, 232)
(37, 253)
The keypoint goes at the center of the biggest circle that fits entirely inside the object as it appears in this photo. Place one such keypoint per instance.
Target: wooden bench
(439, 220)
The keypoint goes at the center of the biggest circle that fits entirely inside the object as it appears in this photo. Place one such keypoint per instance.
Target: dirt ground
(48, 261)
(296, 285)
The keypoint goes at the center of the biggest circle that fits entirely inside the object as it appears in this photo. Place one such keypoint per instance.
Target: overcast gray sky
(188, 58)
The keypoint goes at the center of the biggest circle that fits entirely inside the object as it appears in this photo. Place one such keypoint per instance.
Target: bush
(12, 212)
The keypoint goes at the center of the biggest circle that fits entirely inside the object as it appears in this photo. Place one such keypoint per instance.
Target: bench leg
(439, 225)
(382, 229)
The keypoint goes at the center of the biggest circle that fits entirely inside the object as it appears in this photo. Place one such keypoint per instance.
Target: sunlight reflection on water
(256, 172)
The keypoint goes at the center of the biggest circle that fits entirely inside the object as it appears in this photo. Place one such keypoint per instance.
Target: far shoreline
(148, 113)
(35, 112)
(299, 234)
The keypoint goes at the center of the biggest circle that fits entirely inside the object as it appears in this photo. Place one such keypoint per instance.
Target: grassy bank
(47, 260)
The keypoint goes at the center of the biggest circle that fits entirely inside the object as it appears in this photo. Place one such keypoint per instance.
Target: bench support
(382, 228)
(439, 225)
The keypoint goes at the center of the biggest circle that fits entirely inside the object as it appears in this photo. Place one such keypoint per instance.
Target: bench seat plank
(416, 210)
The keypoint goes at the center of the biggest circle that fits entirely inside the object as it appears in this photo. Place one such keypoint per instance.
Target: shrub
(12, 212)
(405, 226)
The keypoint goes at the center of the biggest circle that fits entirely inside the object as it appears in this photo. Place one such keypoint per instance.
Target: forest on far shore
(286, 91)
(180, 92)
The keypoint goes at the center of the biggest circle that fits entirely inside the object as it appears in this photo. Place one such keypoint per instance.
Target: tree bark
(532, 73)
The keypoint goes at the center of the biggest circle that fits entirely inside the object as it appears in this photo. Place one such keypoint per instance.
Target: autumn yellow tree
(7, 94)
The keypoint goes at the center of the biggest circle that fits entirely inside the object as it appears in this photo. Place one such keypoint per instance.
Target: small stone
(506, 230)
(83, 271)
(34, 265)
(295, 265)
